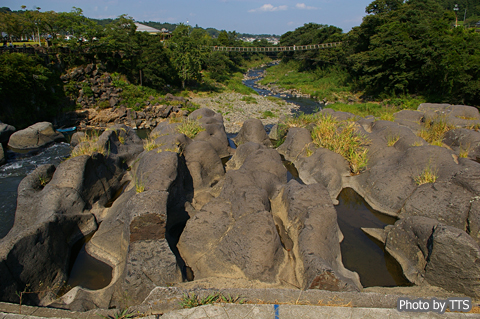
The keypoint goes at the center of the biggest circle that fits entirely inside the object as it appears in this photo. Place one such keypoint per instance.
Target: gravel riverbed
(237, 108)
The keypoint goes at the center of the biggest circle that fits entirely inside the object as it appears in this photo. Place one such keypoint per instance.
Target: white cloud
(269, 8)
(95, 9)
(303, 6)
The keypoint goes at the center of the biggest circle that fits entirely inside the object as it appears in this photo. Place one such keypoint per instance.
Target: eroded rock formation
(173, 212)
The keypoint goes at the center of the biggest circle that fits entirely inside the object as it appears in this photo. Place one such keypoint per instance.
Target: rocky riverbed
(237, 108)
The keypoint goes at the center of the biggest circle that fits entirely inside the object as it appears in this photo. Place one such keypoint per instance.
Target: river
(306, 105)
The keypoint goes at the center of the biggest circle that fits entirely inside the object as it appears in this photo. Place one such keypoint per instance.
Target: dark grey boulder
(164, 128)
(311, 222)
(434, 110)
(241, 154)
(149, 166)
(407, 242)
(56, 208)
(139, 224)
(204, 164)
(35, 136)
(400, 136)
(445, 202)
(214, 242)
(324, 167)
(77, 138)
(410, 118)
(453, 261)
(259, 230)
(150, 262)
(214, 130)
(53, 212)
(433, 253)
(391, 181)
(252, 131)
(274, 133)
(464, 116)
(5, 132)
(297, 141)
(457, 115)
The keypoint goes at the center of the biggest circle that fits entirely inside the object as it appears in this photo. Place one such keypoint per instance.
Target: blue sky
(243, 16)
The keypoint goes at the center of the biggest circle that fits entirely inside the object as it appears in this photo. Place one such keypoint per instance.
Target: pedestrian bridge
(278, 49)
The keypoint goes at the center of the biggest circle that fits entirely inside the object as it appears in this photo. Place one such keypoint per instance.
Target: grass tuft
(428, 175)
(301, 120)
(417, 143)
(190, 301)
(139, 186)
(149, 143)
(434, 131)
(463, 152)
(190, 128)
(341, 138)
(267, 114)
(249, 99)
(88, 145)
(392, 139)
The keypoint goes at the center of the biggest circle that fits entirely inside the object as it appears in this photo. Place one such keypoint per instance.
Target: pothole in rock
(117, 194)
(292, 172)
(86, 271)
(360, 252)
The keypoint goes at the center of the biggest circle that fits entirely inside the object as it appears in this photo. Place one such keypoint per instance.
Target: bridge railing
(278, 49)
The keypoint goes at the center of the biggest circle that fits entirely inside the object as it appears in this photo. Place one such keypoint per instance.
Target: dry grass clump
(417, 143)
(434, 131)
(149, 143)
(88, 145)
(428, 175)
(302, 120)
(341, 138)
(463, 152)
(392, 139)
(190, 127)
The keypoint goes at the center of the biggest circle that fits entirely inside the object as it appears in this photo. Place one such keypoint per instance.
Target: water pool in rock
(85, 270)
(360, 252)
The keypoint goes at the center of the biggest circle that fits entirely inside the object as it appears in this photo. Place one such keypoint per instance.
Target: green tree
(412, 48)
(312, 33)
(186, 54)
(29, 91)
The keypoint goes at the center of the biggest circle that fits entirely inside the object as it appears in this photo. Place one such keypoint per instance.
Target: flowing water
(306, 105)
(17, 167)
